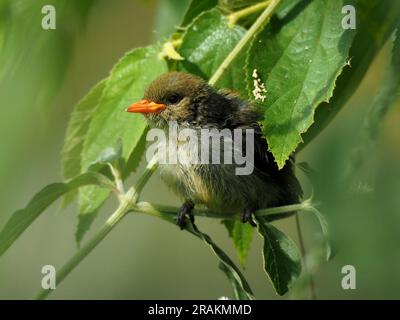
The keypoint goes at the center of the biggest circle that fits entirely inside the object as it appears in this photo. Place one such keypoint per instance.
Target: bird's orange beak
(146, 106)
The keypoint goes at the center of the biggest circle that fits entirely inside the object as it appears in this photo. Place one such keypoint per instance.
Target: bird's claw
(186, 209)
(247, 216)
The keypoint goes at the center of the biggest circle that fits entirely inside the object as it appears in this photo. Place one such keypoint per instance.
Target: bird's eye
(173, 98)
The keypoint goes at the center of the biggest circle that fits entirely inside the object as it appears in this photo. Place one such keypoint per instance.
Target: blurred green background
(44, 73)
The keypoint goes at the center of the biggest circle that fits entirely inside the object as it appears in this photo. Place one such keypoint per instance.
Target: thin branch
(117, 178)
(267, 13)
(124, 208)
(234, 17)
(156, 209)
(303, 254)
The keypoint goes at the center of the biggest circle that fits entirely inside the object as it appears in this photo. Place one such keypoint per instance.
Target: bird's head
(186, 99)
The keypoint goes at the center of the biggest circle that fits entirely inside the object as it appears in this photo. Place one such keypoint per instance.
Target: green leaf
(110, 155)
(241, 234)
(285, 7)
(37, 61)
(169, 15)
(78, 126)
(202, 49)
(91, 199)
(233, 78)
(298, 62)
(197, 7)
(237, 4)
(282, 261)
(21, 219)
(246, 7)
(238, 281)
(386, 98)
(325, 232)
(33, 59)
(396, 56)
(388, 94)
(313, 261)
(238, 291)
(136, 156)
(241, 287)
(95, 197)
(125, 85)
(376, 21)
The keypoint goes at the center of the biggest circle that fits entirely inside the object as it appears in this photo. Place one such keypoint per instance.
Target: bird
(192, 103)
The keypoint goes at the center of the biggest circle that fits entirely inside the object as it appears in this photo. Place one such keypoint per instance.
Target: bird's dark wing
(245, 116)
(265, 164)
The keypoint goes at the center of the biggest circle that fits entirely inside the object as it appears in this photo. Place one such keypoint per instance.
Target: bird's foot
(186, 209)
(247, 216)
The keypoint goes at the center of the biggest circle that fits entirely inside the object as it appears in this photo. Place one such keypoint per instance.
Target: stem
(117, 178)
(158, 210)
(236, 16)
(176, 43)
(267, 13)
(125, 206)
(148, 172)
(303, 253)
(87, 248)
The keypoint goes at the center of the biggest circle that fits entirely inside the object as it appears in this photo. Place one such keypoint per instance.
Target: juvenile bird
(192, 103)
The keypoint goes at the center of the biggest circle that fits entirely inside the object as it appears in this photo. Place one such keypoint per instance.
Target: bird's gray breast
(215, 185)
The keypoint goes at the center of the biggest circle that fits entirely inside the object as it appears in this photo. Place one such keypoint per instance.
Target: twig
(234, 17)
(155, 209)
(303, 254)
(126, 203)
(267, 13)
